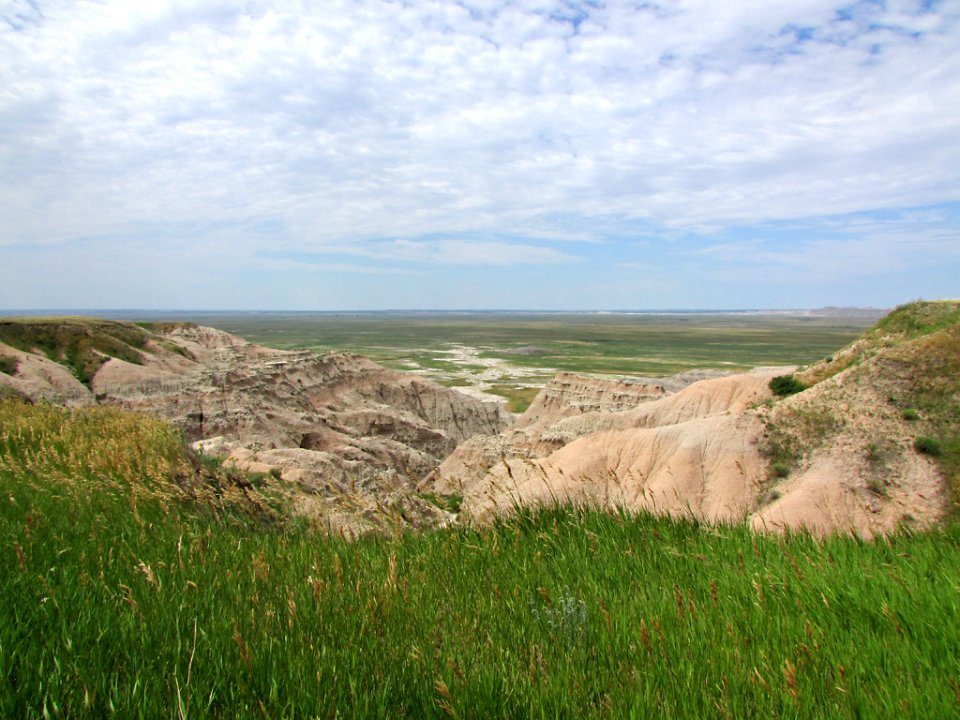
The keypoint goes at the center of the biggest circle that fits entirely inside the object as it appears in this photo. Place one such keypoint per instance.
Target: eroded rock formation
(705, 452)
(353, 437)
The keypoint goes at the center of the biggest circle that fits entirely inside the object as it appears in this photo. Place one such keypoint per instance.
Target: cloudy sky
(549, 154)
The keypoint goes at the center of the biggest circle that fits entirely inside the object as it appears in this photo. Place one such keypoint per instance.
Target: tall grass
(125, 594)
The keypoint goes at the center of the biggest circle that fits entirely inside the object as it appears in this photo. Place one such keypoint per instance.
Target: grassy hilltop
(138, 581)
(912, 358)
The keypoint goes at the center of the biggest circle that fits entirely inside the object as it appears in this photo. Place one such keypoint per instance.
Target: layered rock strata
(351, 436)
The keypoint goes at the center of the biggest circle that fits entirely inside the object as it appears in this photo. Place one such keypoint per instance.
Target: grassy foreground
(128, 589)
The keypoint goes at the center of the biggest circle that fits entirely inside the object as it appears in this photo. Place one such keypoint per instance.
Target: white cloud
(839, 249)
(351, 121)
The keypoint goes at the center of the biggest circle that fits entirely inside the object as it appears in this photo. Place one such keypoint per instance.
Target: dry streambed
(466, 368)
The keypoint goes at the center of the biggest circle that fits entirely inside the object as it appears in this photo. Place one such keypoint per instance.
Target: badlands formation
(838, 456)
(360, 447)
(346, 436)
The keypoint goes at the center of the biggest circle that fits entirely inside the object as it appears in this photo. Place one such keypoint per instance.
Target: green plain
(623, 344)
(643, 344)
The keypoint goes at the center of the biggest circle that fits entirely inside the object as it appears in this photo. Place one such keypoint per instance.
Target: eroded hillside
(869, 440)
(870, 444)
(350, 436)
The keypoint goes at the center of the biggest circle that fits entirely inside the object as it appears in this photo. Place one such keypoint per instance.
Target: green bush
(911, 414)
(8, 365)
(877, 487)
(780, 469)
(784, 385)
(928, 445)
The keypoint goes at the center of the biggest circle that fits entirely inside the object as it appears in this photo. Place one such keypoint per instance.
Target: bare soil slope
(841, 455)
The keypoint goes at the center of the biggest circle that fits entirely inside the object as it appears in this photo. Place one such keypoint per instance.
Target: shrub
(784, 385)
(780, 469)
(927, 445)
(566, 619)
(8, 365)
(877, 487)
(771, 496)
(911, 414)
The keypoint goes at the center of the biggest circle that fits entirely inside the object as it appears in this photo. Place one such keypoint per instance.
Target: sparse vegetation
(450, 503)
(796, 433)
(164, 327)
(878, 456)
(877, 487)
(928, 445)
(916, 319)
(927, 368)
(771, 495)
(920, 364)
(781, 450)
(81, 344)
(905, 323)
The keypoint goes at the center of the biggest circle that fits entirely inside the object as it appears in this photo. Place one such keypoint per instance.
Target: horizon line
(614, 311)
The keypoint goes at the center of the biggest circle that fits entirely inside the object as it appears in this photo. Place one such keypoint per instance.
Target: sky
(441, 154)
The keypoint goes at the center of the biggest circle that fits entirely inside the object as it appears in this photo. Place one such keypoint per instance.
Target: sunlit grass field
(132, 589)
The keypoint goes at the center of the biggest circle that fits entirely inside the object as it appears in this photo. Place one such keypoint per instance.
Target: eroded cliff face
(570, 395)
(704, 451)
(569, 406)
(570, 420)
(282, 399)
(350, 436)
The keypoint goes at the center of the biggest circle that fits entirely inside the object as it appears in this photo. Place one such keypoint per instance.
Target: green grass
(916, 319)
(928, 446)
(131, 589)
(7, 392)
(450, 503)
(631, 344)
(518, 398)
